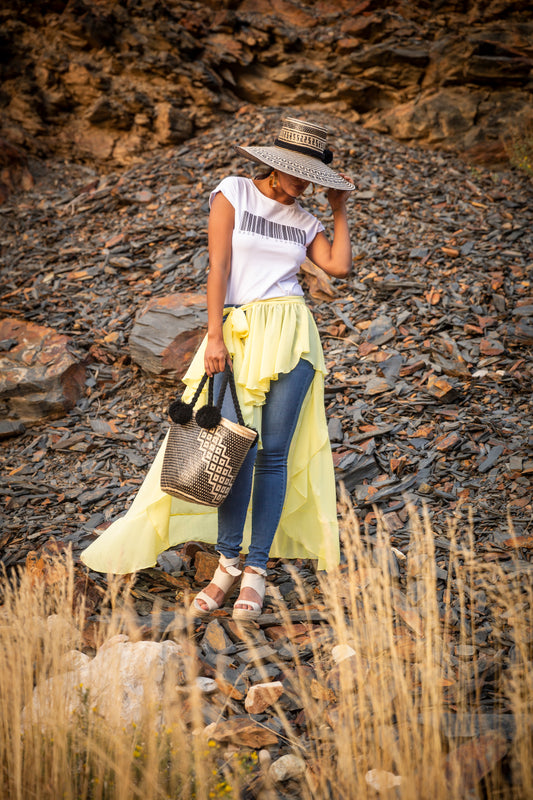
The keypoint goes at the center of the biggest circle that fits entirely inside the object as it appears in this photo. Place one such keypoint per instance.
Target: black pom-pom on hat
(327, 156)
(208, 417)
(179, 412)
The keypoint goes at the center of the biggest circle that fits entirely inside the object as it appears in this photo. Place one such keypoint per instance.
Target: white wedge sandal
(253, 580)
(223, 580)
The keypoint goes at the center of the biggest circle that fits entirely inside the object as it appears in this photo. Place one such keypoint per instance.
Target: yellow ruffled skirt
(265, 338)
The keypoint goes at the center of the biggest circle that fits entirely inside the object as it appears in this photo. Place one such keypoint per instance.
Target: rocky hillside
(106, 81)
(428, 343)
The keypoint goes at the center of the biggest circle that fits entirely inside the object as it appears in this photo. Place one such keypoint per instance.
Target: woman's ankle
(250, 568)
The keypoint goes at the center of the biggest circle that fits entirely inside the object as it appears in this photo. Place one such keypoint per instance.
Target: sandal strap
(224, 580)
(230, 565)
(255, 607)
(211, 604)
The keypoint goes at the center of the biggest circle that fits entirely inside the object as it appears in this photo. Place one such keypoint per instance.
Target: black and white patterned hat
(300, 150)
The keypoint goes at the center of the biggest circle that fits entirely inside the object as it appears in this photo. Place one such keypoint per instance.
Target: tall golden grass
(376, 710)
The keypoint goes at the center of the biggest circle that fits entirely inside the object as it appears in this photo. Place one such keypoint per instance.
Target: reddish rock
(441, 389)
(262, 695)
(206, 564)
(39, 377)
(447, 442)
(190, 549)
(228, 689)
(241, 730)
(491, 347)
(167, 332)
(47, 566)
(300, 632)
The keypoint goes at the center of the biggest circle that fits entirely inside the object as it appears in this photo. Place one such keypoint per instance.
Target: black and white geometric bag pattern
(205, 451)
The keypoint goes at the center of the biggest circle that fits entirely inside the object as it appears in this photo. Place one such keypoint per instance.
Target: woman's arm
(220, 230)
(335, 257)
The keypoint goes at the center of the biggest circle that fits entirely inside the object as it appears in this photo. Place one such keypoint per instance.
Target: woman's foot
(249, 604)
(212, 597)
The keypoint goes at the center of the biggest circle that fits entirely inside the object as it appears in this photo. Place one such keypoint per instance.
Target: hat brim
(297, 164)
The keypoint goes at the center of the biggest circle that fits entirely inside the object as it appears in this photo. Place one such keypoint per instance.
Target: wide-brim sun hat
(301, 151)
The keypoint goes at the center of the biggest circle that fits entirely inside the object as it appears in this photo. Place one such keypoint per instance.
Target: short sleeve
(315, 229)
(229, 188)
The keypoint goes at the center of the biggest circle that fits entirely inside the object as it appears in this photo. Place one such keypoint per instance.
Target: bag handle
(228, 377)
(209, 415)
(198, 391)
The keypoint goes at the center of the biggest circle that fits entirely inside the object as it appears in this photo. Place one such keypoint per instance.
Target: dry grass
(519, 146)
(381, 712)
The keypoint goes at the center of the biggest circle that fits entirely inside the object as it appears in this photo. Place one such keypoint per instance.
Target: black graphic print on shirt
(250, 223)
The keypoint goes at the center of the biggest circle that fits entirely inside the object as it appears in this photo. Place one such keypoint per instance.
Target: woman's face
(293, 187)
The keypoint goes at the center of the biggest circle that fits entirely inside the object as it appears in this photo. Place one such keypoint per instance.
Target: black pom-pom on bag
(204, 450)
(180, 412)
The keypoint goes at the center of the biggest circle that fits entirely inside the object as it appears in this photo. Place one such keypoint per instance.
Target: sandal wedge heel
(256, 581)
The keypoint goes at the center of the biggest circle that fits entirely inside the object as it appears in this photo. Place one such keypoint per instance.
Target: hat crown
(297, 133)
(300, 150)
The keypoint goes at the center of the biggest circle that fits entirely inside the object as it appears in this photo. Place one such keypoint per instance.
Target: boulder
(123, 683)
(39, 376)
(446, 115)
(167, 333)
(286, 768)
(10, 428)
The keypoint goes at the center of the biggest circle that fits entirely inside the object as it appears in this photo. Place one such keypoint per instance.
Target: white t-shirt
(269, 243)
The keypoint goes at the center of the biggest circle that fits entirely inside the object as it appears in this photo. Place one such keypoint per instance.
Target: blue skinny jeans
(279, 417)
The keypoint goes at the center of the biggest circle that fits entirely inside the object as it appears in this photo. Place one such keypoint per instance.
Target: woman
(257, 321)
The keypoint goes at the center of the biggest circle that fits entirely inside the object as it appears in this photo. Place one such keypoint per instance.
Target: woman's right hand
(216, 356)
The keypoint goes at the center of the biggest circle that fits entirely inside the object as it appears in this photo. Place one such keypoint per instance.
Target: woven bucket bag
(205, 451)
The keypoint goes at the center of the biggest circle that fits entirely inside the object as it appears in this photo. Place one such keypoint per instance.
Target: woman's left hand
(337, 197)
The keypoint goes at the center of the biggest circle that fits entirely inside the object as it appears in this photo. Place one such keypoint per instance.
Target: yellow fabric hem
(264, 338)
